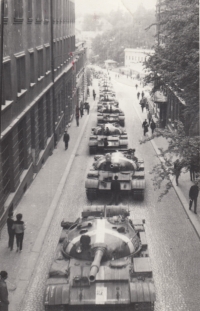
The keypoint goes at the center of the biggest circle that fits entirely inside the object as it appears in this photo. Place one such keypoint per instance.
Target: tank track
(138, 194)
(144, 306)
(93, 150)
(91, 194)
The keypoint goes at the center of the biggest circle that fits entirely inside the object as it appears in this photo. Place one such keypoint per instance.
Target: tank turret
(101, 259)
(126, 166)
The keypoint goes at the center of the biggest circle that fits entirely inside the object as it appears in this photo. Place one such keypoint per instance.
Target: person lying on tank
(105, 141)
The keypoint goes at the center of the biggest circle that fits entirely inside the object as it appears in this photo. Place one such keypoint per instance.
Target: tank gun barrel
(99, 252)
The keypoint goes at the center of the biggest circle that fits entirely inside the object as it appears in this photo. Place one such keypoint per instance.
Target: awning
(159, 97)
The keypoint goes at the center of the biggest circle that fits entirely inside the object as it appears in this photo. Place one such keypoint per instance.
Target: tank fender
(57, 294)
(138, 184)
(92, 143)
(142, 291)
(91, 183)
(123, 142)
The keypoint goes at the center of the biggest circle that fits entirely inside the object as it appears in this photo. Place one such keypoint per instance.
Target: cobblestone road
(174, 246)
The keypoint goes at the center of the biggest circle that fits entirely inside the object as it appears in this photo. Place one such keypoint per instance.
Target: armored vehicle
(101, 263)
(110, 114)
(125, 165)
(107, 137)
(105, 101)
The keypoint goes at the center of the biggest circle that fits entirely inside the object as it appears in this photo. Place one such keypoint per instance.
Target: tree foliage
(127, 32)
(185, 148)
(177, 60)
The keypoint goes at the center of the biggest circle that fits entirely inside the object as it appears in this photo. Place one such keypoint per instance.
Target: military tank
(110, 114)
(108, 137)
(128, 168)
(101, 263)
(104, 101)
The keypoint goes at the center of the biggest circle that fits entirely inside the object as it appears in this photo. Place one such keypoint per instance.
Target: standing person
(145, 126)
(87, 107)
(149, 117)
(77, 116)
(193, 195)
(138, 95)
(115, 190)
(4, 302)
(136, 86)
(81, 110)
(19, 228)
(94, 96)
(11, 232)
(177, 170)
(153, 126)
(88, 91)
(142, 104)
(192, 172)
(142, 94)
(66, 139)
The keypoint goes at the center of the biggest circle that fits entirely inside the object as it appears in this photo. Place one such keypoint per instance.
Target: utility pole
(1, 58)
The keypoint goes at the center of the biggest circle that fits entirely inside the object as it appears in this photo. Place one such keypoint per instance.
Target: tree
(180, 146)
(177, 60)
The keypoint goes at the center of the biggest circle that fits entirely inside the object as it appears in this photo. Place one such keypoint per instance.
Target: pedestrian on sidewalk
(66, 139)
(4, 302)
(81, 110)
(149, 117)
(142, 94)
(77, 116)
(192, 172)
(142, 104)
(136, 86)
(138, 95)
(19, 228)
(94, 94)
(177, 170)
(145, 126)
(88, 91)
(152, 126)
(115, 191)
(193, 195)
(87, 107)
(146, 104)
(11, 232)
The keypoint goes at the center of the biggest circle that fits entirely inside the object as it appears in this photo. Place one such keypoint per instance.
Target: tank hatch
(108, 129)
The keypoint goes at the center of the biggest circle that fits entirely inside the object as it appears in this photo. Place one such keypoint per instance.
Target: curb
(193, 219)
(28, 270)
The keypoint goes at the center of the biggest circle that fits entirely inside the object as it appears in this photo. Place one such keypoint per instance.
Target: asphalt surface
(173, 243)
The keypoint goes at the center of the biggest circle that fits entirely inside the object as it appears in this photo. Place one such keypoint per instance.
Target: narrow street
(173, 243)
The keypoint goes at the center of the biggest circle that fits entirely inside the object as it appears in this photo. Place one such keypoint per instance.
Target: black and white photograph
(99, 155)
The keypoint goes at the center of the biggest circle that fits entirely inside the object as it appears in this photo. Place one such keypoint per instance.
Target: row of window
(65, 13)
(39, 64)
(136, 58)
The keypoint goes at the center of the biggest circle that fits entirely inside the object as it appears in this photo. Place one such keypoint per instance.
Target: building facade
(39, 89)
(132, 56)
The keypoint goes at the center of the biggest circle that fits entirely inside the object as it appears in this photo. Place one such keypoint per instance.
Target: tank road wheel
(93, 150)
(91, 194)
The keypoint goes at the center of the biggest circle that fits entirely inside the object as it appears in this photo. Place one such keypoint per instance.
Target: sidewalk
(182, 190)
(38, 206)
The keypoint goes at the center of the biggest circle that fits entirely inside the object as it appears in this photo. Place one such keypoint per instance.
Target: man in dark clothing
(87, 107)
(177, 170)
(145, 126)
(11, 233)
(115, 190)
(142, 94)
(66, 139)
(138, 95)
(136, 86)
(153, 126)
(192, 172)
(193, 195)
(3, 291)
(77, 116)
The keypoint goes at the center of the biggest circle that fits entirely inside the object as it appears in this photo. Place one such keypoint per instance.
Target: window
(46, 10)
(32, 68)
(40, 63)
(38, 11)
(40, 124)
(5, 156)
(7, 89)
(21, 79)
(18, 10)
(29, 10)
(21, 146)
(47, 60)
(5, 11)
